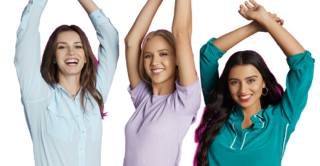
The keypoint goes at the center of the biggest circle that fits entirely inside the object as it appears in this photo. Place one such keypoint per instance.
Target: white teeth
(157, 71)
(245, 97)
(72, 60)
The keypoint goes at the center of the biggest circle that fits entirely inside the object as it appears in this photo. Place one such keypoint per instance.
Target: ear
(54, 61)
(263, 84)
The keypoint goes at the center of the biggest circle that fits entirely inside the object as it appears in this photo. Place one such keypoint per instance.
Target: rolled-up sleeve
(209, 56)
(299, 80)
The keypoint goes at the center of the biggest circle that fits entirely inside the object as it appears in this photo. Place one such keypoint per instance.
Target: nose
(155, 60)
(243, 88)
(71, 51)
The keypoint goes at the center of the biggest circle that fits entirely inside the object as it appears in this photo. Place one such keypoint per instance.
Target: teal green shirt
(264, 143)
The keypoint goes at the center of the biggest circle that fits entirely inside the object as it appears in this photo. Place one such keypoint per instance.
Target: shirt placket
(82, 140)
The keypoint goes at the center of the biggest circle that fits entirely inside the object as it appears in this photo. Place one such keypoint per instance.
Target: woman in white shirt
(63, 99)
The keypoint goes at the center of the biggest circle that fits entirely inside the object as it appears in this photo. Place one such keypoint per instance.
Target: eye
(251, 80)
(234, 82)
(163, 54)
(147, 56)
(61, 47)
(78, 47)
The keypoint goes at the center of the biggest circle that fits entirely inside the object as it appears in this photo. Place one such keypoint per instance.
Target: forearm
(88, 5)
(289, 45)
(142, 23)
(227, 41)
(182, 21)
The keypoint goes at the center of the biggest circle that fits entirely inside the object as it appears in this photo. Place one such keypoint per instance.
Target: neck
(70, 83)
(252, 110)
(164, 88)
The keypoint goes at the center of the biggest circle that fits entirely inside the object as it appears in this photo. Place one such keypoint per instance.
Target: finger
(243, 8)
(242, 12)
(274, 15)
(248, 5)
(282, 22)
(269, 13)
(254, 3)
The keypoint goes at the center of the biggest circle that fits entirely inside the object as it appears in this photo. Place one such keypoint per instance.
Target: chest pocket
(93, 117)
(59, 122)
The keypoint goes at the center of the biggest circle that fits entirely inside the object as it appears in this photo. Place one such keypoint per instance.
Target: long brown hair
(142, 72)
(220, 106)
(49, 70)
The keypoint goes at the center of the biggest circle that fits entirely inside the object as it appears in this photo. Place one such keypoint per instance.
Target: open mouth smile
(157, 71)
(72, 62)
(245, 98)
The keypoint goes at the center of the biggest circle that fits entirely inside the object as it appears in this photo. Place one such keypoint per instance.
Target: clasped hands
(254, 12)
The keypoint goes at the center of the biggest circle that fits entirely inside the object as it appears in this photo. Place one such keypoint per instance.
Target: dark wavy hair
(49, 70)
(220, 106)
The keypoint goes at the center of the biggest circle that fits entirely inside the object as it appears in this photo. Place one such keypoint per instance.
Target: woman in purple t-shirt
(164, 87)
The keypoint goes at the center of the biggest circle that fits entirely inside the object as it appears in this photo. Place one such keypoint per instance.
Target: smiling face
(70, 55)
(245, 85)
(159, 60)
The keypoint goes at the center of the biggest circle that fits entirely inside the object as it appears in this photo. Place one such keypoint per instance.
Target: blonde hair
(142, 72)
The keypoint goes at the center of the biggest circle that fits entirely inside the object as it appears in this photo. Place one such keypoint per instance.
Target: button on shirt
(61, 132)
(264, 143)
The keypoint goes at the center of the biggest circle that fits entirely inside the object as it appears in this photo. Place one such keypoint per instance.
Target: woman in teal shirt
(249, 119)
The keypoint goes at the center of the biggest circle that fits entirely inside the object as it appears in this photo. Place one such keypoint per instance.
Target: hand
(254, 12)
(255, 23)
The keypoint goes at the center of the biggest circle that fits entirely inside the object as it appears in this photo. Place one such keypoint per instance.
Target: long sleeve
(27, 56)
(209, 56)
(108, 51)
(298, 83)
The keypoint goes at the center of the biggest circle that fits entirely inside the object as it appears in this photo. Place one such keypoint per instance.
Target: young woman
(63, 99)
(163, 85)
(249, 119)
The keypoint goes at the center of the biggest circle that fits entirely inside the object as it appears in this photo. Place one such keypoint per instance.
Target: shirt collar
(258, 120)
(61, 88)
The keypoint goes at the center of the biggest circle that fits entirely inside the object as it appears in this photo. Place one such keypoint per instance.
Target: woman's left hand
(248, 7)
(254, 12)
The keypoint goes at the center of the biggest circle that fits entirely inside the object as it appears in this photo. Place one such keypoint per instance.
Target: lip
(72, 65)
(245, 100)
(71, 58)
(158, 73)
(245, 95)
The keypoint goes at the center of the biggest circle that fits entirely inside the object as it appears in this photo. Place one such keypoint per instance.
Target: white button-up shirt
(61, 132)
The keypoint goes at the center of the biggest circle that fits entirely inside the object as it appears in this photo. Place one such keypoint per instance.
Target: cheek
(257, 88)
(146, 63)
(233, 89)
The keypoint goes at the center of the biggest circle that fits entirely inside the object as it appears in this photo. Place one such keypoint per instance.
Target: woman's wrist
(264, 20)
(253, 27)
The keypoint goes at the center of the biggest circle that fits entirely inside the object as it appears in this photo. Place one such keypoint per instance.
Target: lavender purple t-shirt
(155, 131)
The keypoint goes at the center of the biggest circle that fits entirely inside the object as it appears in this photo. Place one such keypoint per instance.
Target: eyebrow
(67, 43)
(245, 78)
(157, 51)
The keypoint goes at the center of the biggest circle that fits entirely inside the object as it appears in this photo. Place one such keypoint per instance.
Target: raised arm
(27, 56)
(108, 53)
(288, 44)
(181, 30)
(230, 39)
(134, 38)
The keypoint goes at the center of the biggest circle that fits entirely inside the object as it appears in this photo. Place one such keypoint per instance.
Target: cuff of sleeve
(97, 17)
(178, 86)
(141, 84)
(298, 61)
(212, 52)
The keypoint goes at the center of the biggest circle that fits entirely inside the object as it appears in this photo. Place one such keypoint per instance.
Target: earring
(265, 93)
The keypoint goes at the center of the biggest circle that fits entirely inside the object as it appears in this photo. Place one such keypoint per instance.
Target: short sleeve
(139, 93)
(186, 100)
